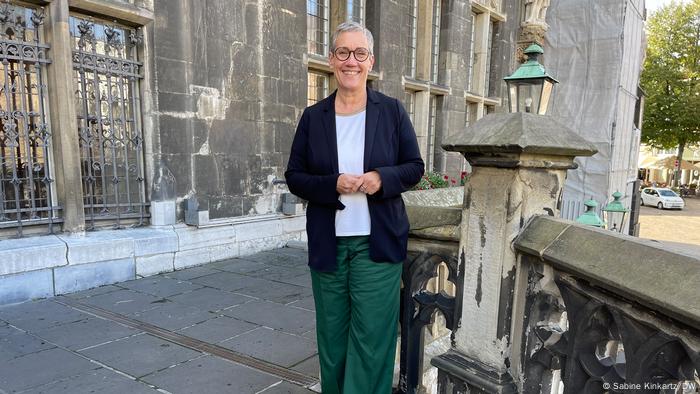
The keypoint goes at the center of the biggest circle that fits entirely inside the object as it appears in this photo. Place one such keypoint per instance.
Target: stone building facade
(166, 124)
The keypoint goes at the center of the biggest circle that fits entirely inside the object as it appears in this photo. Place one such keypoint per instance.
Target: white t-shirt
(350, 134)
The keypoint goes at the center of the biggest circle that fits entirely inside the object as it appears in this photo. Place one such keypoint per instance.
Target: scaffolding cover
(595, 49)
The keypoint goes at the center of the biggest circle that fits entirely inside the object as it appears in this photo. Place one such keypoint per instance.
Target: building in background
(168, 123)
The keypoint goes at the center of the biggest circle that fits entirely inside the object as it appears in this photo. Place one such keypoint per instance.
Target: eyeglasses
(343, 54)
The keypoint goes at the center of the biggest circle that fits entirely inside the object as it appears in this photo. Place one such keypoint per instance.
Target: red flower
(446, 177)
(453, 181)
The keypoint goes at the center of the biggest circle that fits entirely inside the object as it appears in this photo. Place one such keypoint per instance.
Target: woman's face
(351, 74)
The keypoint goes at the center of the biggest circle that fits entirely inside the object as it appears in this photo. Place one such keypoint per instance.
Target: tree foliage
(671, 77)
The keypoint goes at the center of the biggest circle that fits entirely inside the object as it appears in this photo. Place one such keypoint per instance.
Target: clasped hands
(368, 183)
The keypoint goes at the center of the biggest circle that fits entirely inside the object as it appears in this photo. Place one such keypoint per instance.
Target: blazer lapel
(329, 130)
(371, 122)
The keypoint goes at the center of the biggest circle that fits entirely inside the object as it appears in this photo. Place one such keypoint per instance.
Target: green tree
(671, 77)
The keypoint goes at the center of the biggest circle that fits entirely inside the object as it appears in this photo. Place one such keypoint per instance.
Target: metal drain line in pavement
(194, 344)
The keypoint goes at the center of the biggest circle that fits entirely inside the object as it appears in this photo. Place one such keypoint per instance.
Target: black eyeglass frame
(353, 53)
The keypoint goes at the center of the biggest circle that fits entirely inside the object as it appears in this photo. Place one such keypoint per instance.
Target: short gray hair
(353, 26)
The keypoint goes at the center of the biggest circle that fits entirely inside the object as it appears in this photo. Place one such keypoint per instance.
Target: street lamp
(530, 87)
(590, 217)
(616, 210)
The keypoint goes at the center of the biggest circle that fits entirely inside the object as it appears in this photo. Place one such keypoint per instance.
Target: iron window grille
(106, 76)
(317, 26)
(26, 195)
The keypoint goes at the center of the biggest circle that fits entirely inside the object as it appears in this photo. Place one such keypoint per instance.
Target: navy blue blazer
(390, 148)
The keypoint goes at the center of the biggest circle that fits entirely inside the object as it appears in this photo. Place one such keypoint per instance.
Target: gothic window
(317, 26)
(317, 87)
(356, 11)
(412, 39)
(435, 43)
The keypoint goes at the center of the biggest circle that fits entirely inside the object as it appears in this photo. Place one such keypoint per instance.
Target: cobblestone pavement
(244, 325)
(672, 225)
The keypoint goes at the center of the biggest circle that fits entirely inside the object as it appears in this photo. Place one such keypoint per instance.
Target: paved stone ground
(672, 225)
(259, 306)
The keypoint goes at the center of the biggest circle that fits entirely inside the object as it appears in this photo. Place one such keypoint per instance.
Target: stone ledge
(31, 254)
(98, 246)
(638, 270)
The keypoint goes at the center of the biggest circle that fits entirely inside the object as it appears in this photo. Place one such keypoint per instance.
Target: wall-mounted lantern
(530, 87)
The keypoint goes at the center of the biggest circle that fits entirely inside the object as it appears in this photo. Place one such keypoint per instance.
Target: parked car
(661, 198)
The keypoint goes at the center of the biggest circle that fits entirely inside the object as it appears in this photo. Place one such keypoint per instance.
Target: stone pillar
(63, 118)
(519, 166)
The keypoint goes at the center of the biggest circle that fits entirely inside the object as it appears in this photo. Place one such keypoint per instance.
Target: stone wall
(230, 83)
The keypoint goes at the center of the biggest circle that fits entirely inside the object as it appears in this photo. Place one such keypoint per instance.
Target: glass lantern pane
(513, 97)
(546, 95)
(528, 96)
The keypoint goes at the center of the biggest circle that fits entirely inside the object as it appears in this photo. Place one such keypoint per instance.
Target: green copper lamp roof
(531, 68)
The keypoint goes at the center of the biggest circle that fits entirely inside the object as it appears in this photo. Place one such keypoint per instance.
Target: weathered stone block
(261, 244)
(225, 251)
(32, 253)
(163, 213)
(196, 238)
(26, 286)
(258, 230)
(98, 246)
(73, 278)
(149, 241)
(295, 224)
(192, 257)
(151, 265)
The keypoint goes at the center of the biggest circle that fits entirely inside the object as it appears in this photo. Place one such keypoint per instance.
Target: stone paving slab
(160, 286)
(259, 305)
(93, 292)
(84, 333)
(274, 346)
(191, 273)
(211, 375)
(304, 303)
(270, 314)
(102, 381)
(140, 355)
(286, 388)
(16, 343)
(40, 368)
(274, 291)
(210, 299)
(218, 329)
(125, 301)
(224, 281)
(39, 315)
(309, 366)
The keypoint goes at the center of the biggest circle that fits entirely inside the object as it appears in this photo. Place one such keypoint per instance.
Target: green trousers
(357, 312)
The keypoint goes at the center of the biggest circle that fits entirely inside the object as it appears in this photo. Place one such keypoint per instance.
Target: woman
(353, 155)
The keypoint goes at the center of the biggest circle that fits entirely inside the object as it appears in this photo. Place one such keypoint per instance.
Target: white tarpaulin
(595, 49)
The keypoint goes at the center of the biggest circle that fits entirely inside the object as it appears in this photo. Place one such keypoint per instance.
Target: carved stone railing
(430, 279)
(605, 312)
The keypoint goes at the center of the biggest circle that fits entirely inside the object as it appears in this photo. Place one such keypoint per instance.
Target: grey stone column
(63, 118)
(519, 166)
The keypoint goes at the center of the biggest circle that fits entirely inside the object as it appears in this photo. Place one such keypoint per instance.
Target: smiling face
(351, 74)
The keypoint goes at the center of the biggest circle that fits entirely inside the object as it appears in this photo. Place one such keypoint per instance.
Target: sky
(653, 5)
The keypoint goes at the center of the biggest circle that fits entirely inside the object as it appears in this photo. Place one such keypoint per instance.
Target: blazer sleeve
(318, 189)
(409, 169)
